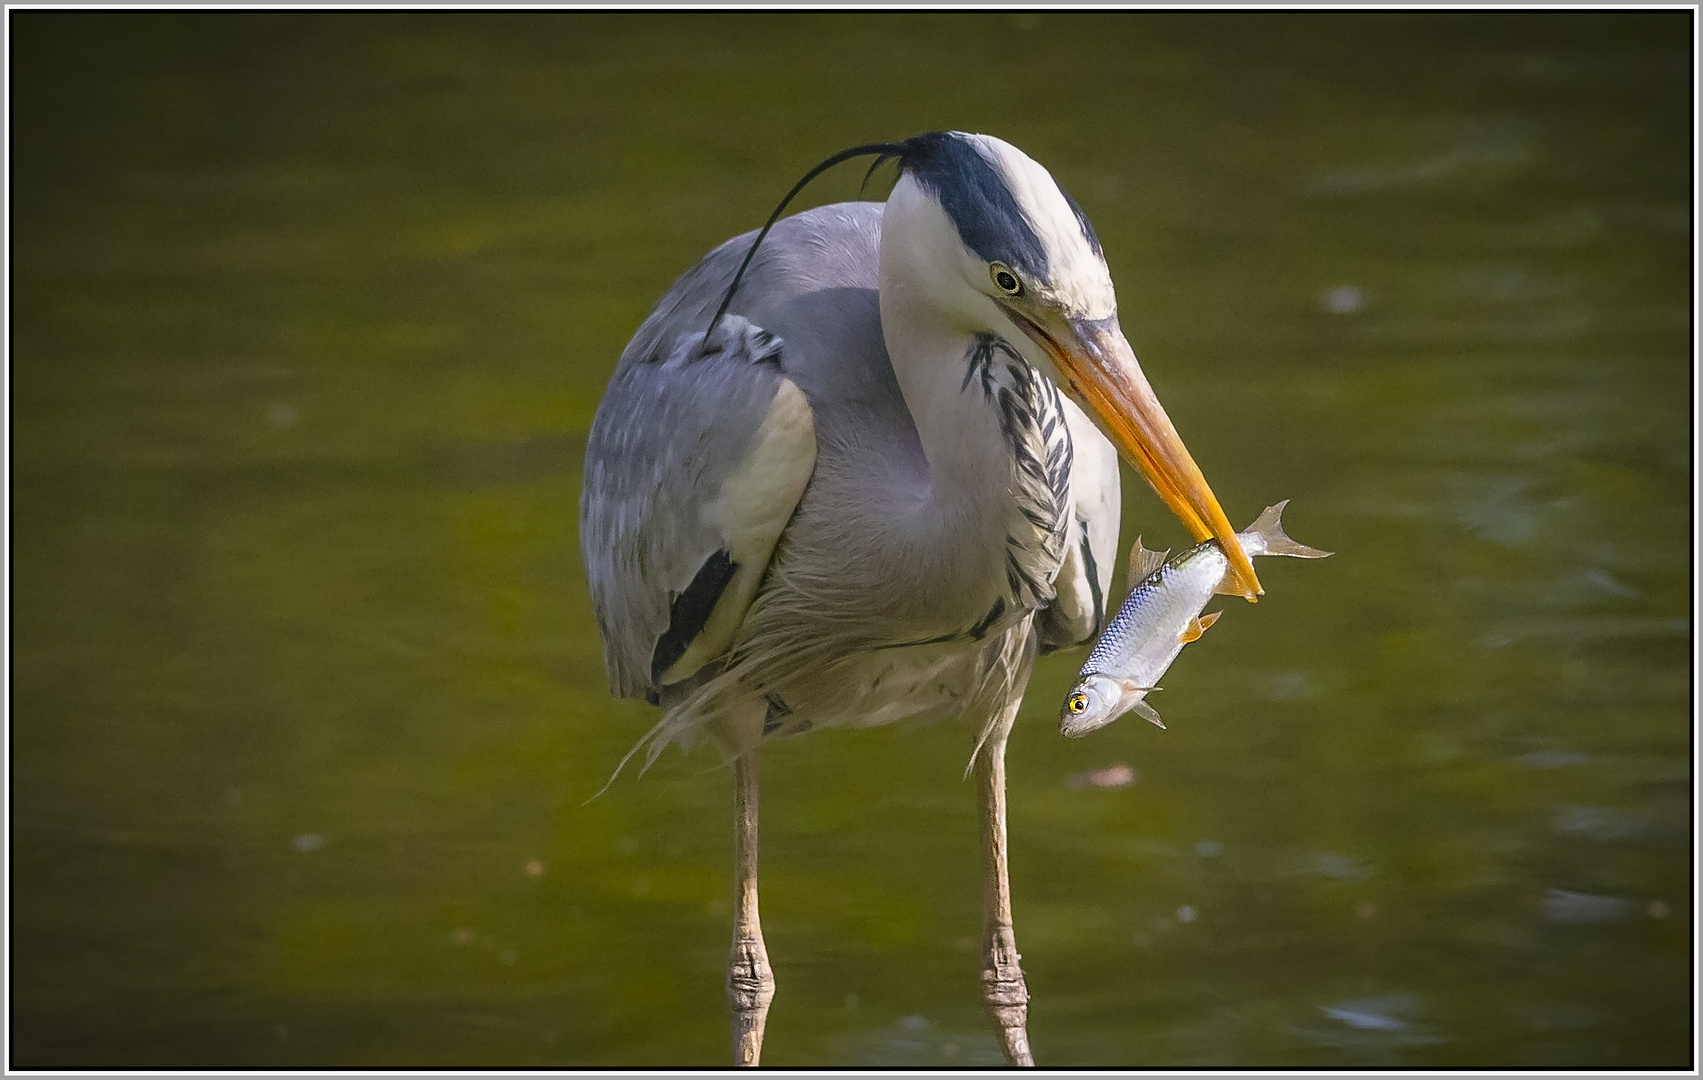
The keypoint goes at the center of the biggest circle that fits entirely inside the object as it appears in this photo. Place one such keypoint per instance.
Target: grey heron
(861, 466)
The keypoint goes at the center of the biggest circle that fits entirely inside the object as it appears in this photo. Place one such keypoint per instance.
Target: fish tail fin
(1269, 528)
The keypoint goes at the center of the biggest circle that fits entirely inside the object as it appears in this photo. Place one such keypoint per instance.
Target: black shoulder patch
(776, 713)
(691, 610)
(979, 630)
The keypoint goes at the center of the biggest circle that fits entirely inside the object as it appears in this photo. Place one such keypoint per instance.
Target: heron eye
(1078, 702)
(1006, 280)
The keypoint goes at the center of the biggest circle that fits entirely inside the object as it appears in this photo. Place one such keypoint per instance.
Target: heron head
(990, 240)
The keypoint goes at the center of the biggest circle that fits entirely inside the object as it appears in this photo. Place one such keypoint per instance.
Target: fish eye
(1078, 702)
(1007, 281)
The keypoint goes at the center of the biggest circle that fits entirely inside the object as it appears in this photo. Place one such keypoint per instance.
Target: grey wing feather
(683, 462)
(674, 429)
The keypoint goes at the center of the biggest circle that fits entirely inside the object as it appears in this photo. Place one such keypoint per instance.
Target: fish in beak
(1100, 373)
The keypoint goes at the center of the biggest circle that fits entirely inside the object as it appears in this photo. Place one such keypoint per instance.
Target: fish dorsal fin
(1143, 562)
(1197, 626)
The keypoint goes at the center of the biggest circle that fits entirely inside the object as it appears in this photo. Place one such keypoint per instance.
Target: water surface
(311, 313)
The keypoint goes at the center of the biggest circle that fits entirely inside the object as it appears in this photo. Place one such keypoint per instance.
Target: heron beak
(1101, 374)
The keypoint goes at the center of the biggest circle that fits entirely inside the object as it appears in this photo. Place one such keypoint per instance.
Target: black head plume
(882, 151)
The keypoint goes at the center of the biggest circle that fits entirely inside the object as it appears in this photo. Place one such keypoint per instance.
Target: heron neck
(930, 344)
(977, 407)
(969, 470)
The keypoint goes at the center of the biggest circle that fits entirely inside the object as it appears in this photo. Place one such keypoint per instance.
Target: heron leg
(1004, 994)
(750, 983)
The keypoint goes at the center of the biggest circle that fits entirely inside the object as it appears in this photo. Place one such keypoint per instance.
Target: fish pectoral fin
(1145, 711)
(1197, 626)
(1141, 708)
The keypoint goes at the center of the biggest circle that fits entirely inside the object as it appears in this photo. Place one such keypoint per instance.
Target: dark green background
(311, 313)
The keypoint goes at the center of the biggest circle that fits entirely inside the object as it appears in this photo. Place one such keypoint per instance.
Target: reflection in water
(1485, 147)
(913, 1041)
(1563, 906)
(1372, 1014)
(1600, 823)
(1342, 300)
(1373, 1025)
(1112, 776)
(1553, 759)
(1336, 867)
(310, 316)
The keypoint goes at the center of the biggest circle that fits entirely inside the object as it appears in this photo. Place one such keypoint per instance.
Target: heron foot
(750, 989)
(1006, 996)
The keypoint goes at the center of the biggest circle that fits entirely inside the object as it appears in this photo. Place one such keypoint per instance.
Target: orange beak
(1101, 374)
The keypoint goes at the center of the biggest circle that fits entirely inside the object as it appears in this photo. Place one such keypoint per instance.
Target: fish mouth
(1070, 731)
(1100, 373)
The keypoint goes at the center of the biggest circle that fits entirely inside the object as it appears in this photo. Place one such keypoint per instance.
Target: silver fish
(1162, 614)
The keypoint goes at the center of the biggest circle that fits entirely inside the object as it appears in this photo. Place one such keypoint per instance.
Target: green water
(310, 317)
